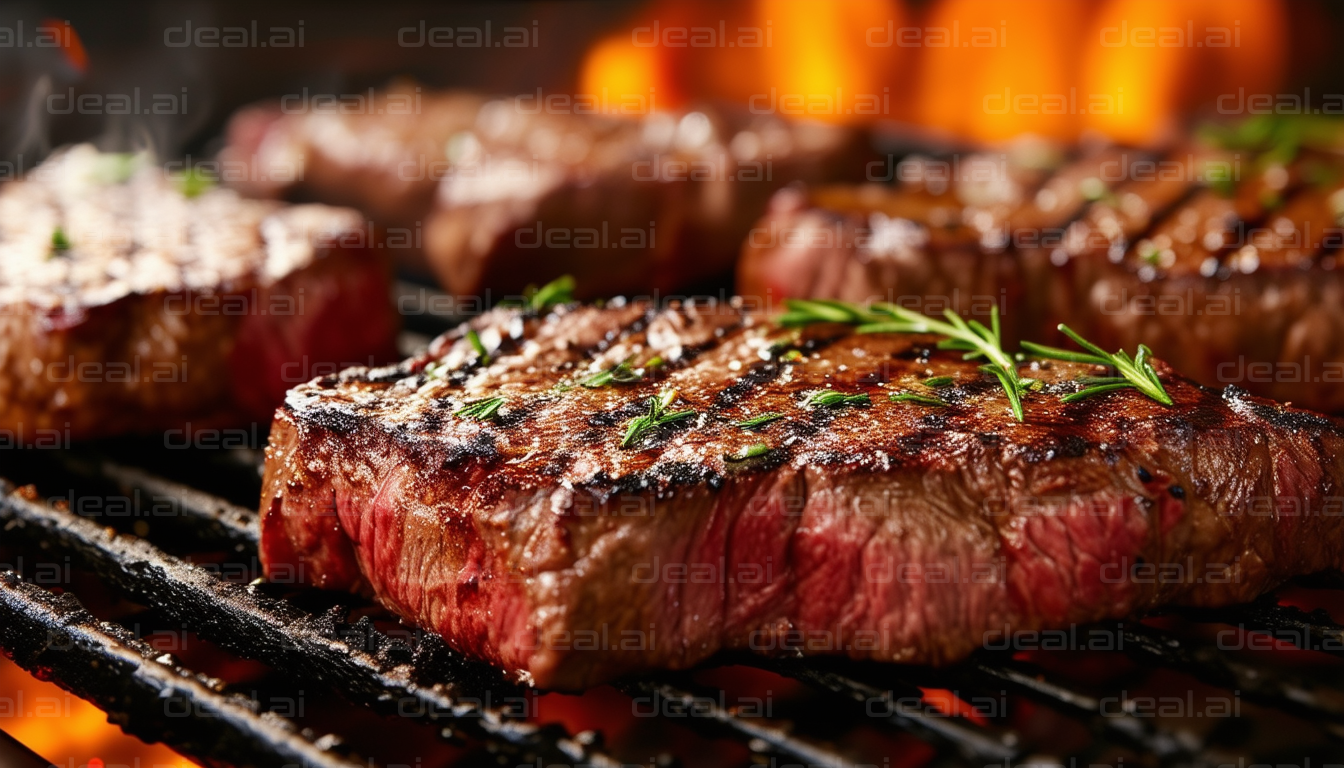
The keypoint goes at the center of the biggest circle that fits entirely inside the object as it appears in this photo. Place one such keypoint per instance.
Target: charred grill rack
(1052, 714)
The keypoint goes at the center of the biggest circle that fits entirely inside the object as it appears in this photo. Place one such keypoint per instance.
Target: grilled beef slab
(1223, 262)
(497, 193)
(573, 531)
(129, 305)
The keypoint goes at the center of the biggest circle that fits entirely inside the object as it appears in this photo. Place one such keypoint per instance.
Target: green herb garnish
(558, 291)
(620, 373)
(193, 181)
(971, 337)
(658, 416)
(759, 421)
(1134, 371)
(481, 410)
(911, 397)
(938, 381)
(829, 398)
(476, 344)
(759, 449)
(792, 356)
(60, 244)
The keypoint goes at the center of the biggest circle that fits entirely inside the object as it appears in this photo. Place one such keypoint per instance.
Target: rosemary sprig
(658, 416)
(558, 291)
(620, 373)
(971, 337)
(481, 410)
(938, 381)
(478, 345)
(829, 398)
(1134, 371)
(759, 421)
(751, 452)
(912, 397)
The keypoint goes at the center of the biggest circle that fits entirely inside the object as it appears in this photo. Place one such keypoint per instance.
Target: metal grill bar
(1212, 666)
(972, 742)
(244, 621)
(1128, 729)
(761, 738)
(15, 755)
(1314, 631)
(155, 699)
(214, 519)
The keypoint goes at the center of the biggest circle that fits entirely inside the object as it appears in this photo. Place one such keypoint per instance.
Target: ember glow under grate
(1205, 687)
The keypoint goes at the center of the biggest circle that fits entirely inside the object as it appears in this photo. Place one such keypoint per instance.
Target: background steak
(498, 193)
(166, 309)
(896, 531)
(1235, 281)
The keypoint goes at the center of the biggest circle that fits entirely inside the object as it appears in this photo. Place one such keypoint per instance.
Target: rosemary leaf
(829, 398)
(938, 381)
(751, 452)
(1134, 372)
(60, 244)
(760, 421)
(658, 416)
(620, 373)
(911, 397)
(558, 291)
(481, 410)
(477, 345)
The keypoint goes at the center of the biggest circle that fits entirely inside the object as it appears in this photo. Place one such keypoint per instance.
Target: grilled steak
(127, 305)
(1223, 263)
(499, 193)
(553, 536)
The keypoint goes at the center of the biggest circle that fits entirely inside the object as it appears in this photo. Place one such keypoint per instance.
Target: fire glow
(1131, 70)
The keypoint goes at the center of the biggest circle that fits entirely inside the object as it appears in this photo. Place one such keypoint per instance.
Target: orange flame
(978, 69)
(69, 42)
(67, 730)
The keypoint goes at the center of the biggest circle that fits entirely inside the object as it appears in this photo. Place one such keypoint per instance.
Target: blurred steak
(500, 193)
(1235, 283)
(894, 531)
(128, 306)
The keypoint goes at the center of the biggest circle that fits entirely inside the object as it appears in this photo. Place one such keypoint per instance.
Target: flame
(69, 731)
(951, 705)
(983, 70)
(69, 41)
(1001, 69)
(819, 54)
(1168, 56)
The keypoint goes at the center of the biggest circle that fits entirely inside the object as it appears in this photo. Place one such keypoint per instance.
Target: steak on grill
(1222, 262)
(497, 193)
(893, 531)
(129, 306)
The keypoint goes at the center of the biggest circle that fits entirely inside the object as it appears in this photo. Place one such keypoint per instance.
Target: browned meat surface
(1234, 282)
(546, 539)
(505, 192)
(126, 305)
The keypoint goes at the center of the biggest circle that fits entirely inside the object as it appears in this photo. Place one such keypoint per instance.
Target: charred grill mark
(481, 446)
(757, 374)
(333, 417)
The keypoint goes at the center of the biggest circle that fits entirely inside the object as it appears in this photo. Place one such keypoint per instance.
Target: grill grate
(377, 671)
(841, 714)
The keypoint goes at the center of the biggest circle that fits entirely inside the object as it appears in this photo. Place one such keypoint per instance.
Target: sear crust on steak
(1232, 282)
(892, 531)
(127, 305)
